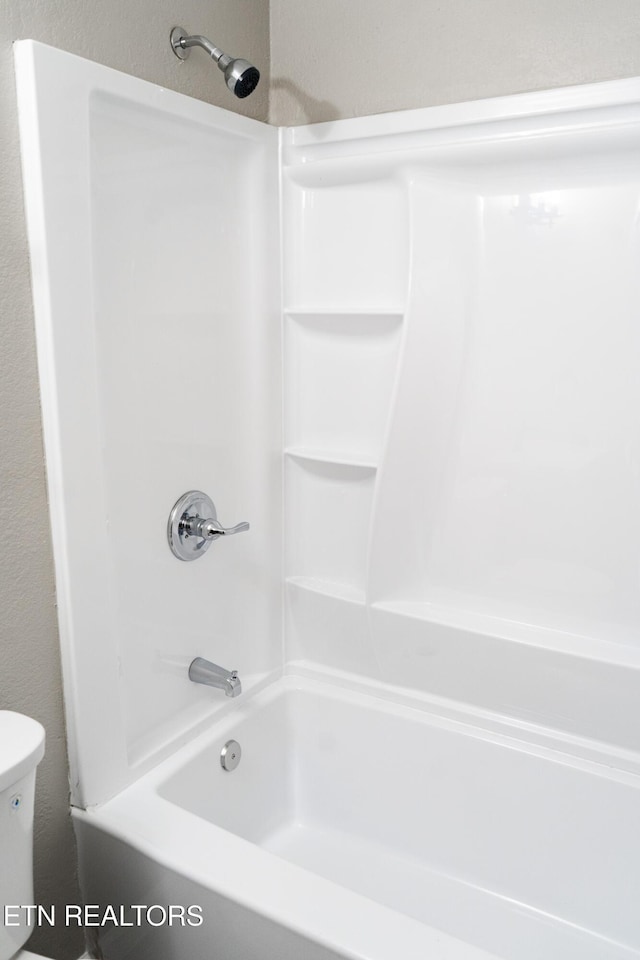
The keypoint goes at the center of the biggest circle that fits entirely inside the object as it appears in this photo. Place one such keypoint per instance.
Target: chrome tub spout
(203, 671)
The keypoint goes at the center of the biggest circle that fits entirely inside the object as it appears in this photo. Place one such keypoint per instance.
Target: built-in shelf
(328, 518)
(340, 368)
(387, 316)
(339, 591)
(534, 635)
(337, 458)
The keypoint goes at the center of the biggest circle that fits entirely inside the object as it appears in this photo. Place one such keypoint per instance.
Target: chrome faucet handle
(211, 529)
(238, 528)
(194, 525)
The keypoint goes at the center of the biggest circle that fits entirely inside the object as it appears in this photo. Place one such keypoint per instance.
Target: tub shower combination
(414, 728)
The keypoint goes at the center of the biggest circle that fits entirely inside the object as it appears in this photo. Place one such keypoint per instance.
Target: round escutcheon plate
(191, 505)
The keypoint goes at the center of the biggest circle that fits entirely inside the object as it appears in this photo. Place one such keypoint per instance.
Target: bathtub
(360, 826)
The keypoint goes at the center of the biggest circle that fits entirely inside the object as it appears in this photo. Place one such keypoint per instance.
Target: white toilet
(21, 750)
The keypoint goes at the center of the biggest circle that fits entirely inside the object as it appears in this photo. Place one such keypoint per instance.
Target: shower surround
(442, 757)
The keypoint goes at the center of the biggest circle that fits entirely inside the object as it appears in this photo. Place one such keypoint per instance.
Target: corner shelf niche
(336, 457)
(340, 368)
(327, 588)
(327, 533)
(339, 373)
(328, 625)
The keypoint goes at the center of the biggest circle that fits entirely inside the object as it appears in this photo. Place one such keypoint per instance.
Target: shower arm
(222, 59)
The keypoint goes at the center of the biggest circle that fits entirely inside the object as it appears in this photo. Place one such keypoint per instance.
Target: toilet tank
(21, 749)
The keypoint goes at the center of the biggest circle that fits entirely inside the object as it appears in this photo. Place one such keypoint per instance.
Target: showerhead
(241, 76)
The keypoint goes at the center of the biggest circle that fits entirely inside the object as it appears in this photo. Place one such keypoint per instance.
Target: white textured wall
(346, 59)
(131, 36)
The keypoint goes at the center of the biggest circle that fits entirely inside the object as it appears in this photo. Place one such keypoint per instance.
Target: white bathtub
(357, 827)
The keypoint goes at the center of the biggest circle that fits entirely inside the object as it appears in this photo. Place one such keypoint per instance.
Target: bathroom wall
(335, 59)
(131, 37)
(459, 294)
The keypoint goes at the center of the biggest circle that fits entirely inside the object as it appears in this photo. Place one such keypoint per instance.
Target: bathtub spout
(203, 671)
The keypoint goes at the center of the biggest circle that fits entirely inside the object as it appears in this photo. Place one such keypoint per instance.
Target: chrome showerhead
(241, 76)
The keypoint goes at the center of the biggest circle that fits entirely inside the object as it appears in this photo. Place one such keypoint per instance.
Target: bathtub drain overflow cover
(230, 755)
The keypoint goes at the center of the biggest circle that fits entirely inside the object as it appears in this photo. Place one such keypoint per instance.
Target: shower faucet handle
(193, 526)
(212, 529)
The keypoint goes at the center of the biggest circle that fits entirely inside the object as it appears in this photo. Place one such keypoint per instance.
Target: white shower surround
(461, 524)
